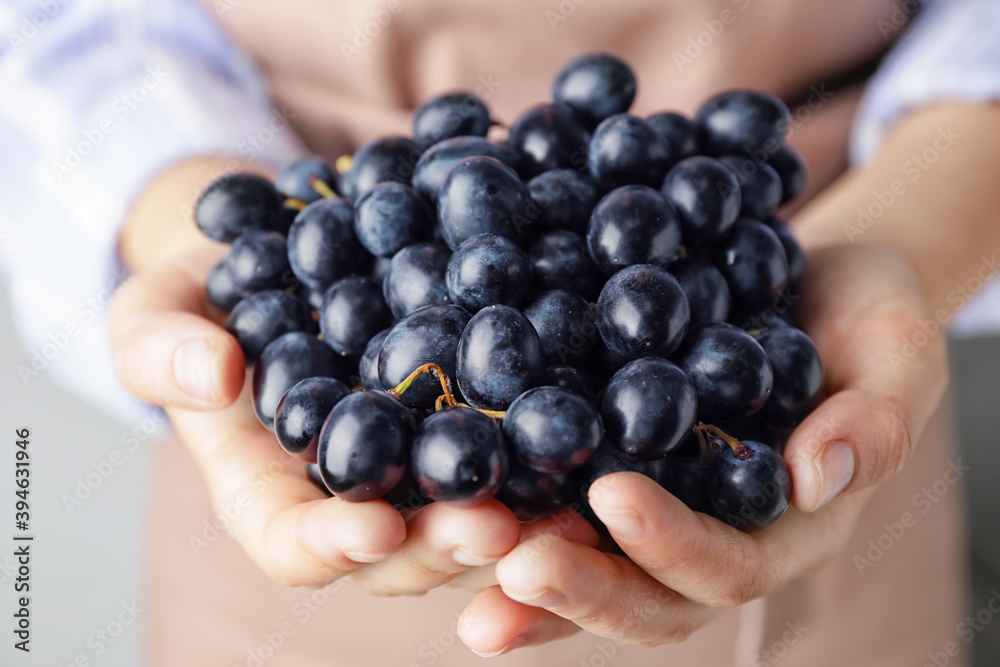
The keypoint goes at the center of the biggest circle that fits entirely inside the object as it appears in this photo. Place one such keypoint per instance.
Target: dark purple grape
(690, 483)
(434, 165)
(566, 198)
(353, 311)
(322, 247)
(633, 225)
(237, 203)
(566, 326)
(552, 430)
(648, 408)
(791, 170)
(742, 121)
(488, 269)
(499, 358)
(258, 261)
(749, 489)
(296, 179)
(571, 379)
(560, 260)
(595, 86)
(798, 375)
(482, 195)
(386, 159)
(390, 217)
(532, 495)
(450, 115)
(368, 366)
(680, 132)
(729, 370)
(752, 260)
(283, 363)
(364, 446)
(760, 185)
(794, 253)
(301, 412)
(705, 288)
(219, 288)
(626, 150)
(460, 457)
(642, 311)
(264, 316)
(547, 137)
(706, 195)
(416, 278)
(426, 336)
(406, 495)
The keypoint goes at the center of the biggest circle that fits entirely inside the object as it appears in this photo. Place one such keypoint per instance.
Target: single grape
(791, 170)
(752, 260)
(633, 224)
(561, 260)
(416, 278)
(219, 288)
(296, 179)
(642, 311)
(626, 150)
(488, 269)
(798, 375)
(749, 488)
(283, 363)
(301, 412)
(794, 253)
(705, 288)
(565, 198)
(433, 167)
(237, 203)
(482, 195)
(264, 316)
(386, 159)
(390, 217)
(566, 326)
(547, 137)
(552, 430)
(706, 195)
(368, 366)
(322, 247)
(450, 115)
(353, 311)
(742, 121)
(760, 185)
(257, 261)
(680, 132)
(595, 86)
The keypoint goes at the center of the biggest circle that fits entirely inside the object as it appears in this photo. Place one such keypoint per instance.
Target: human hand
(857, 304)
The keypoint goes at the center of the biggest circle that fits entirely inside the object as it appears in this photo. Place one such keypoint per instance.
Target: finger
(706, 560)
(493, 624)
(605, 594)
(286, 525)
(441, 542)
(860, 306)
(165, 348)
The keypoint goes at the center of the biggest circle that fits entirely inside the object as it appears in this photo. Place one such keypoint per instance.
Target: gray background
(86, 563)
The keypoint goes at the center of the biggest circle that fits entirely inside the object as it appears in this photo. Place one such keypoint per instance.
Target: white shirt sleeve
(952, 52)
(99, 96)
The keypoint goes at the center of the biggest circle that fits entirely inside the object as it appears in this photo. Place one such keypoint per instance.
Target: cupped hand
(858, 304)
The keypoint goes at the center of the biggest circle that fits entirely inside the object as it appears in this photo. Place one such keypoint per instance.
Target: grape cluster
(453, 318)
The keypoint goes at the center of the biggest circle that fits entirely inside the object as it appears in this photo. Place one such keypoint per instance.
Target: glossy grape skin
(753, 261)
(386, 159)
(368, 366)
(689, 484)
(488, 269)
(416, 278)
(547, 137)
(482, 195)
(532, 495)
(353, 311)
(301, 412)
(295, 179)
(737, 122)
(595, 86)
(729, 370)
(706, 195)
(633, 224)
(428, 335)
(322, 247)
(364, 446)
(760, 186)
(264, 316)
(648, 408)
(566, 326)
(499, 358)
(450, 115)
(257, 261)
(561, 260)
(552, 430)
(566, 198)
(642, 311)
(794, 253)
(283, 363)
(571, 379)
(219, 288)
(791, 169)
(749, 493)
(433, 167)
(389, 217)
(680, 132)
(705, 288)
(798, 375)
(460, 457)
(626, 150)
(235, 204)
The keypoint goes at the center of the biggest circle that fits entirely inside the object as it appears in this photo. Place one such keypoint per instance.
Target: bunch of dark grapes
(452, 318)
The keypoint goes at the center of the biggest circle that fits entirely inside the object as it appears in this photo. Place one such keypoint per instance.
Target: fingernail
(517, 643)
(192, 365)
(836, 470)
(364, 556)
(470, 560)
(626, 524)
(546, 598)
